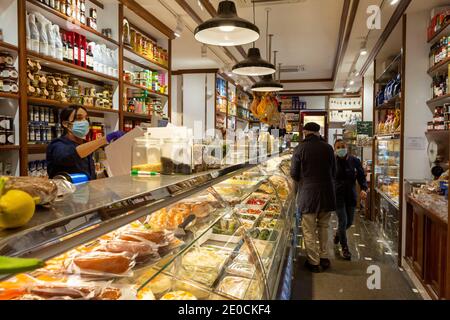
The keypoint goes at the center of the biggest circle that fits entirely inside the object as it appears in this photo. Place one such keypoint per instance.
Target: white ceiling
(305, 33)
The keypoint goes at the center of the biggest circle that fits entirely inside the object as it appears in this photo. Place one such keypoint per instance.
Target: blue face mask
(80, 129)
(341, 153)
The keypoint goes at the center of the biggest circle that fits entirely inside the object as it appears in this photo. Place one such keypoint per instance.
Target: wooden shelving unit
(5, 95)
(114, 116)
(9, 147)
(150, 91)
(132, 115)
(439, 67)
(61, 105)
(132, 56)
(390, 104)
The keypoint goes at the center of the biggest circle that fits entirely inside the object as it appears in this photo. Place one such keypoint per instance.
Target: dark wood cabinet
(427, 249)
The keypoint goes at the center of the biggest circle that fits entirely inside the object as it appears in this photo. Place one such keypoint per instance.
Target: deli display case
(221, 234)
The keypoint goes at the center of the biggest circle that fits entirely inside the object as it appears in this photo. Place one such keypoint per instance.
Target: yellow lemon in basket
(16, 209)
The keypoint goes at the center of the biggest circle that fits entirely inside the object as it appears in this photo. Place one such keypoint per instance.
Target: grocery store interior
(224, 150)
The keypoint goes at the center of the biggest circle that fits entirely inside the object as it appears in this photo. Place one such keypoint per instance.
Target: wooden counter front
(426, 248)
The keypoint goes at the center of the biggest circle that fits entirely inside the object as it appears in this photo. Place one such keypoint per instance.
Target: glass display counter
(222, 234)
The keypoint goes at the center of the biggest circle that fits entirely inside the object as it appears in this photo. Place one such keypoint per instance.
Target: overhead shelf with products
(79, 50)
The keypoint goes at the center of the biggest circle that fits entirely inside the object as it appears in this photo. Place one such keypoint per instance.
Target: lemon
(16, 209)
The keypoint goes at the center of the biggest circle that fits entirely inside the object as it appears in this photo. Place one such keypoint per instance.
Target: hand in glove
(114, 136)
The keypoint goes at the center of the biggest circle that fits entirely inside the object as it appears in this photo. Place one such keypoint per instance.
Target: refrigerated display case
(221, 234)
(387, 185)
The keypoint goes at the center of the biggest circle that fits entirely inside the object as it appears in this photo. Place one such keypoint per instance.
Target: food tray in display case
(124, 240)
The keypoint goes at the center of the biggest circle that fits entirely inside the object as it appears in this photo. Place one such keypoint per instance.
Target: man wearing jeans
(314, 168)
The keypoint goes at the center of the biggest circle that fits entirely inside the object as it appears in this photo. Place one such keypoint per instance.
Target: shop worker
(314, 168)
(348, 170)
(71, 153)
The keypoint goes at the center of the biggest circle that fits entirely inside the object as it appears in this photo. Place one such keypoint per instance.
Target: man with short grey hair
(313, 167)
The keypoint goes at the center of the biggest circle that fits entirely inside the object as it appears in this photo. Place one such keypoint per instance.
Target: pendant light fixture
(267, 83)
(226, 29)
(254, 65)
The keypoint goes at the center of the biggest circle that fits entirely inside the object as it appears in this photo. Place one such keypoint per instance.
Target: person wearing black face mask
(349, 169)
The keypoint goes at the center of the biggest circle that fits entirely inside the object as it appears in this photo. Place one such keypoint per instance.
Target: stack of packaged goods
(8, 74)
(6, 130)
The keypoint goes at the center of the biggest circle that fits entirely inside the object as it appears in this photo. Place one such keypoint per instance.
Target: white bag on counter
(34, 33)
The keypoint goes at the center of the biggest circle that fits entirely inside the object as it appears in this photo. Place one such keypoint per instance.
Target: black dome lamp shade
(267, 84)
(226, 29)
(254, 65)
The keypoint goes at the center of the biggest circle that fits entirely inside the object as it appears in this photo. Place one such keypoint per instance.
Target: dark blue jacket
(62, 157)
(348, 171)
(314, 168)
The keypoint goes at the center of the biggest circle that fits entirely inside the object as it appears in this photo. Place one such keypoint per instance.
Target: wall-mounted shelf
(150, 91)
(441, 31)
(9, 147)
(37, 148)
(70, 24)
(72, 69)
(5, 95)
(4, 46)
(137, 115)
(439, 67)
(59, 104)
(390, 70)
(393, 103)
(131, 55)
(438, 101)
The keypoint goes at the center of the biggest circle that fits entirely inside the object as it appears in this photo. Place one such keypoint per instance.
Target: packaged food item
(240, 288)
(101, 264)
(241, 269)
(42, 189)
(156, 237)
(203, 264)
(178, 295)
(140, 249)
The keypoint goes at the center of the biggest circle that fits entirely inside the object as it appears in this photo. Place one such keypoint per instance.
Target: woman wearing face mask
(70, 153)
(348, 170)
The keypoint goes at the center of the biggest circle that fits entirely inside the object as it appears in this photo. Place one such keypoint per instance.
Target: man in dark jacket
(314, 169)
(349, 169)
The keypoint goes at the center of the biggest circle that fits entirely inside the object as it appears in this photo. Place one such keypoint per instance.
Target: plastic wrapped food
(42, 189)
(102, 264)
(156, 237)
(178, 295)
(140, 249)
(241, 269)
(34, 33)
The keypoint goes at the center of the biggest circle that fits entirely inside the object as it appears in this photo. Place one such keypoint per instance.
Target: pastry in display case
(387, 169)
(221, 240)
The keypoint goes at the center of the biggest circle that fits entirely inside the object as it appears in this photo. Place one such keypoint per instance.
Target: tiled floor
(348, 280)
